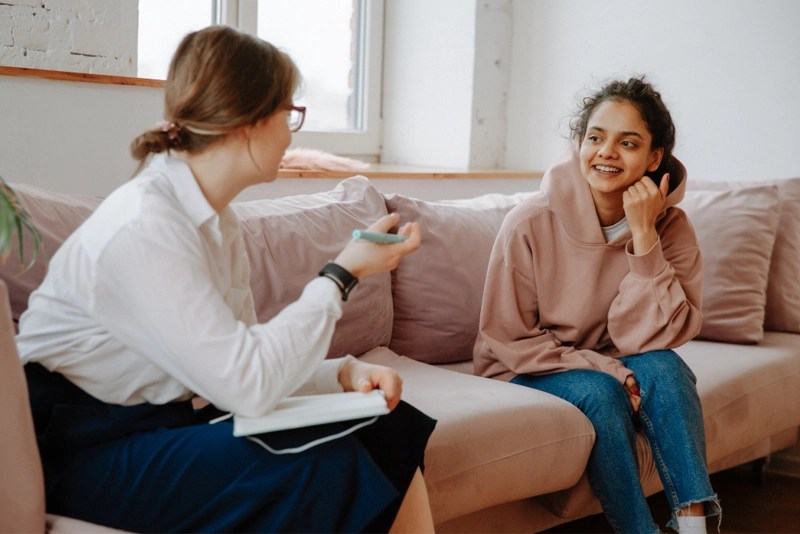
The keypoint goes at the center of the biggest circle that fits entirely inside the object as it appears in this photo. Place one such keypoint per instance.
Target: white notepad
(309, 410)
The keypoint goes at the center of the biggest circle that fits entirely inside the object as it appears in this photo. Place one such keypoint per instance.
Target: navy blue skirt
(163, 468)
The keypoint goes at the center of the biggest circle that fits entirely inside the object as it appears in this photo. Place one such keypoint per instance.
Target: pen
(378, 237)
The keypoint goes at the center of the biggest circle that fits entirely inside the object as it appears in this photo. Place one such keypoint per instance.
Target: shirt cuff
(649, 264)
(322, 290)
(326, 379)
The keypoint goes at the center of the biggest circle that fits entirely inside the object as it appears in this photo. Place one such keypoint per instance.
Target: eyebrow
(624, 134)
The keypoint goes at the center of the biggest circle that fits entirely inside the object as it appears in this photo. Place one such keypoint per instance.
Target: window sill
(79, 77)
(385, 170)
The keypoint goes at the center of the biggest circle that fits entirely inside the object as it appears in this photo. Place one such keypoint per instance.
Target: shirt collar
(187, 190)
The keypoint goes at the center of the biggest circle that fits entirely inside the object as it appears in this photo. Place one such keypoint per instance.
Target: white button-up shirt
(149, 301)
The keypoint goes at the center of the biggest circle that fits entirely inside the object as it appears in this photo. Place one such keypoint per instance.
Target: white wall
(490, 84)
(445, 84)
(74, 138)
(90, 36)
(429, 58)
(728, 69)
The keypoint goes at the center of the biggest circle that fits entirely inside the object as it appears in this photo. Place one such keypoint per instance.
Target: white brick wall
(90, 36)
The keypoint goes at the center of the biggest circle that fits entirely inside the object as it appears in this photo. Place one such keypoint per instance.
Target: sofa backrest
(741, 239)
(288, 240)
(437, 291)
(21, 479)
(428, 308)
(749, 235)
(56, 216)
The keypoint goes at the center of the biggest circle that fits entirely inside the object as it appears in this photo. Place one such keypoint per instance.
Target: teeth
(603, 168)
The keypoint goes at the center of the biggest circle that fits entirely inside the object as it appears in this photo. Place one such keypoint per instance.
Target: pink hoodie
(558, 297)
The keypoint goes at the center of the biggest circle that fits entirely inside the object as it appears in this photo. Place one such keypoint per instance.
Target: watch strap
(340, 276)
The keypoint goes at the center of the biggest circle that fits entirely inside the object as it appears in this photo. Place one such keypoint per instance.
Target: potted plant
(15, 220)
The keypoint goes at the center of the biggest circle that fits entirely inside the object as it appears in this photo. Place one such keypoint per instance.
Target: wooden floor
(749, 504)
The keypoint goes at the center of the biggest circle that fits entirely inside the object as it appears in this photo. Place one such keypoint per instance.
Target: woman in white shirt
(148, 305)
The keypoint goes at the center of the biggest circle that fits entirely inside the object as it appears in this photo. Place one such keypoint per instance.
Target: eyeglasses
(296, 118)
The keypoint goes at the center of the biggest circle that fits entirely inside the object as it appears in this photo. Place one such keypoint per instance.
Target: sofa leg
(758, 469)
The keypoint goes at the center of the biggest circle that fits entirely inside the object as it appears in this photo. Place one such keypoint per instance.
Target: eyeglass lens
(295, 119)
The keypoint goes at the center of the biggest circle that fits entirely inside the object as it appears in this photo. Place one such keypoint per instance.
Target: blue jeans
(671, 418)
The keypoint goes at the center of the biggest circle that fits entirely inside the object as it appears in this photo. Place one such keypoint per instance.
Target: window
(328, 61)
(162, 25)
(335, 43)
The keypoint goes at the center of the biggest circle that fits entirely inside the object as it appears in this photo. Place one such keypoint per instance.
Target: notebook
(309, 410)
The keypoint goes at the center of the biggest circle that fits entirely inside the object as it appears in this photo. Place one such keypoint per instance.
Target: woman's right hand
(363, 258)
(356, 375)
(634, 394)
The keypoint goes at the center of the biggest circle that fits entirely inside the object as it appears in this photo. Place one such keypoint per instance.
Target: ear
(244, 132)
(655, 159)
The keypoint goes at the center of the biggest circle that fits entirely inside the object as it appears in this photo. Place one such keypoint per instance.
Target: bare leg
(414, 515)
(694, 509)
(691, 519)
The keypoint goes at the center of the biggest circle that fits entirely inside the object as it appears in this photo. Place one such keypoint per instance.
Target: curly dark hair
(647, 100)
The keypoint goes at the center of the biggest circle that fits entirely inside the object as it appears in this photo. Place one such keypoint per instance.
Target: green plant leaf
(15, 220)
(6, 222)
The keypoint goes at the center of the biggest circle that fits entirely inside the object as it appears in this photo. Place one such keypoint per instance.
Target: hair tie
(173, 131)
(166, 126)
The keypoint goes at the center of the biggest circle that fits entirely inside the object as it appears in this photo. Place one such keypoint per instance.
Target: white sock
(691, 524)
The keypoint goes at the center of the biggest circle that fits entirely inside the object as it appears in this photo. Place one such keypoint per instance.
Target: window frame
(365, 143)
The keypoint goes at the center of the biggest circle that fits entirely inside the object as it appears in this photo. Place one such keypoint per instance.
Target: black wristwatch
(341, 276)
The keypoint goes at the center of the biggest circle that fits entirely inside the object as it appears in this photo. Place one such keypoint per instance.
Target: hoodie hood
(568, 193)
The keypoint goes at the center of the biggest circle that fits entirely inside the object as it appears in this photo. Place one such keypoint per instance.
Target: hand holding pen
(373, 252)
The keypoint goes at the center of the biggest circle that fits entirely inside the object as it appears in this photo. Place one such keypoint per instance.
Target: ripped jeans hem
(712, 508)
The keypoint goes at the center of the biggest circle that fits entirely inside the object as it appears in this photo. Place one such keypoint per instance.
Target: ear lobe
(656, 156)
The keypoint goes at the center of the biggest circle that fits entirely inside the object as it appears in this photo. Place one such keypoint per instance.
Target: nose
(607, 149)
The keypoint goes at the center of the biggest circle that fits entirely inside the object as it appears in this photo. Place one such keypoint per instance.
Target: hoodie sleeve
(659, 300)
(510, 339)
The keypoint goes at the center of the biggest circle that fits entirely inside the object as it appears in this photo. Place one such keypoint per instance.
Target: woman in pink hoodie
(590, 285)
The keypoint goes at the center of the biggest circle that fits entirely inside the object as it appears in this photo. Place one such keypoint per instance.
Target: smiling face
(616, 151)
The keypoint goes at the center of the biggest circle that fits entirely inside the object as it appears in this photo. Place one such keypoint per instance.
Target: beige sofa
(503, 457)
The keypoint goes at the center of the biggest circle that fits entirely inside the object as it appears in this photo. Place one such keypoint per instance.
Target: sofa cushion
(437, 292)
(735, 382)
(59, 524)
(289, 239)
(56, 216)
(782, 310)
(494, 442)
(736, 231)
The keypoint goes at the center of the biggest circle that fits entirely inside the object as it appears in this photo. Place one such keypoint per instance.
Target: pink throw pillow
(437, 291)
(783, 288)
(289, 239)
(56, 216)
(736, 230)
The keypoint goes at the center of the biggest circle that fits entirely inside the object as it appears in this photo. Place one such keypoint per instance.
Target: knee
(661, 368)
(603, 399)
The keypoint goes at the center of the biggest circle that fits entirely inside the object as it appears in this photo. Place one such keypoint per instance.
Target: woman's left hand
(631, 387)
(361, 376)
(642, 202)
